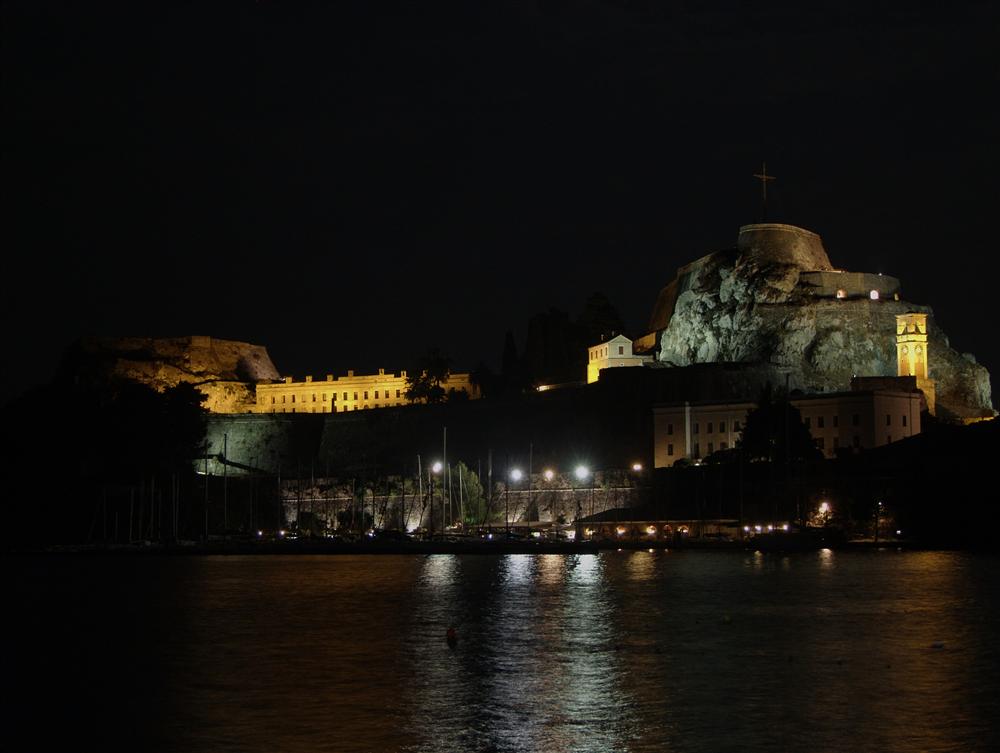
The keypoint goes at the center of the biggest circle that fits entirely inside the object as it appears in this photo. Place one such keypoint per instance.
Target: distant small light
(873, 295)
(516, 474)
(636, 467)
(621, 530)
(549, 475)
(746, 528)
(582, 472)
(898, 532)
(841, 293)
(260, 533)
(651, 530)
(770, 528)
(757, 529)
(281, 532)
(436, 467)
(824, 507)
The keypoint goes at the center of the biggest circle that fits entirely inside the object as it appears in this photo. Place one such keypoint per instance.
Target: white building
(614, 353)
(859, 419)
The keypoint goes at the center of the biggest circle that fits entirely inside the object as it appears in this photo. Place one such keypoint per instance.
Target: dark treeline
(78, 455)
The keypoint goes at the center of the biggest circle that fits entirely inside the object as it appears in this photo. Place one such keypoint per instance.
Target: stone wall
(752, 308)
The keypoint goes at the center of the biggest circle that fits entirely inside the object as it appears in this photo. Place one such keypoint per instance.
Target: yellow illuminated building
(347, 393)
(614, 353)
(912, 355)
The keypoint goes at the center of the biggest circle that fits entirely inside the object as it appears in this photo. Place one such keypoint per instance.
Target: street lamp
(637, 467)
(549, 474)
(435, 470)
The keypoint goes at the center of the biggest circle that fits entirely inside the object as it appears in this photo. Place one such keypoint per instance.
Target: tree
(774, 431)
(424, 384)
(473, 496)
(600, 319)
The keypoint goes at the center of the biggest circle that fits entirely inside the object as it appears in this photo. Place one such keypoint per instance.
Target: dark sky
(351, 183)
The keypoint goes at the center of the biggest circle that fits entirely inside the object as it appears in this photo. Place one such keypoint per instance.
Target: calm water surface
(622, 651)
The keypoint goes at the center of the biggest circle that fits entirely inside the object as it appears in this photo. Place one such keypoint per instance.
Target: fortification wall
(783, 244)
(827, 284)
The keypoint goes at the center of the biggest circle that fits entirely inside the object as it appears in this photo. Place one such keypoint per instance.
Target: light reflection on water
(622, 651)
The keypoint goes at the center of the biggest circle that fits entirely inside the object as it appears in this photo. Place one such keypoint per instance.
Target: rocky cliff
(752, 304)
(224, 370)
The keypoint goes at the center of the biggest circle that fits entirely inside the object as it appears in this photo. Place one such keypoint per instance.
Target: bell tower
(912, 356)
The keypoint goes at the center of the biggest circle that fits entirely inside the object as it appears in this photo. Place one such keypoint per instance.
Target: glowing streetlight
(636, 467)
(549, 474)
(582, 472)
(515, 474)
(437, 466)
(824, 507)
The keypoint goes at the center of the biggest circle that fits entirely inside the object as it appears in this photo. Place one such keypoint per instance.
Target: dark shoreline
(314, 547)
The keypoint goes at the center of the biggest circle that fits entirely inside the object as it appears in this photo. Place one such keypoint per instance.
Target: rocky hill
(224, 370)
(776, 300)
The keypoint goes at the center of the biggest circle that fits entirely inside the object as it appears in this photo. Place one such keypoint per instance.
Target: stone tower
(912, 356)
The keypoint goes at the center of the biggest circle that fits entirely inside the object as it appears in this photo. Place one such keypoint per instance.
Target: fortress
(776, 302)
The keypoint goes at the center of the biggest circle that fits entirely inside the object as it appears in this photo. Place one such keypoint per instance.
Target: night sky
(352, 183)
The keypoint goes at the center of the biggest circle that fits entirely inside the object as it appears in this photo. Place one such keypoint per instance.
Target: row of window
(709, 427)
(697, 448)
(386, 396)
(855, 421)
(597, 354)
(335, 409)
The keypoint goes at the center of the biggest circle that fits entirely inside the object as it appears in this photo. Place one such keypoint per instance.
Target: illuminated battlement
(346, 393)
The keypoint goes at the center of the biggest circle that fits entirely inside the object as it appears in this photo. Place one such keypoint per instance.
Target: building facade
(346, 393)
(614, 353)
(859, 419)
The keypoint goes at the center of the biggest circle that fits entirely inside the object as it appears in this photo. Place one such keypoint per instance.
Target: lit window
(873, 295)
(282, 398)
(376, 394)
(355, 395)
(293, 398)
(324, 397)
(334, 397)
(314, 397)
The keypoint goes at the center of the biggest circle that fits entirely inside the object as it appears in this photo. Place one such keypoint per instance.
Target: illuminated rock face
(760, 303)
(225, 371)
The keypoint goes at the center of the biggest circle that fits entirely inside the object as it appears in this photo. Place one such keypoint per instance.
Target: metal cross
(764, 178)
